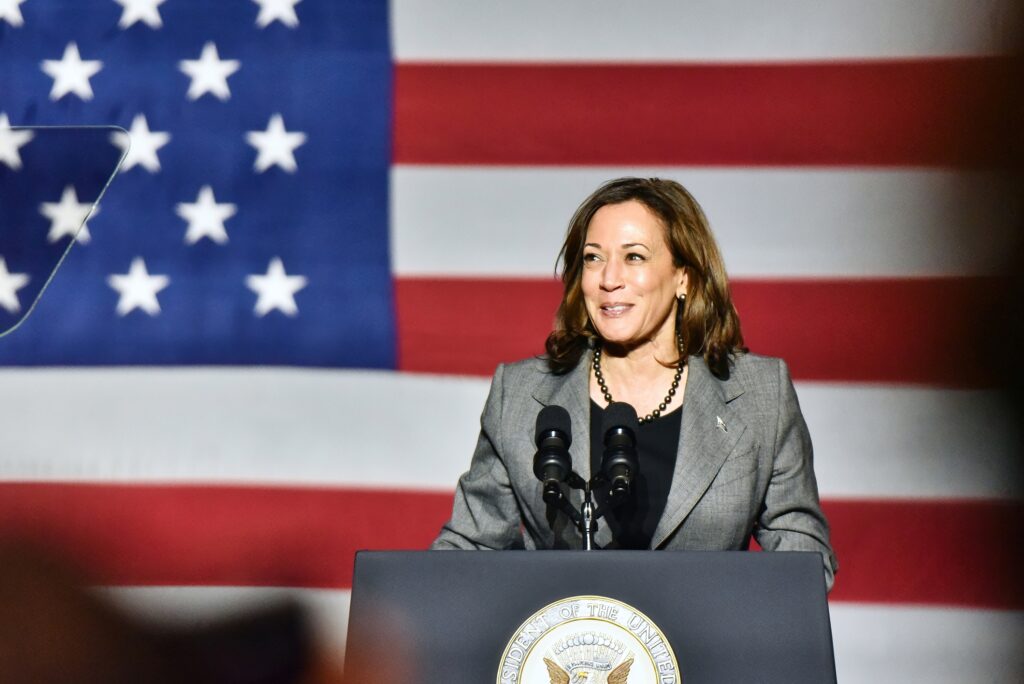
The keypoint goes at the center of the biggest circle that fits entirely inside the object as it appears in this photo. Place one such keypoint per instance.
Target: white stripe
(874, 644)
(696, 30)
(379, 429)
(460, 221)
(892, 441)
(311, 427)
(895, 645)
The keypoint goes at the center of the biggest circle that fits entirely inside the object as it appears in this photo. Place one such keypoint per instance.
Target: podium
(465, 616)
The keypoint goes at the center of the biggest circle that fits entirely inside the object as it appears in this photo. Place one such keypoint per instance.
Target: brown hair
(708, 322)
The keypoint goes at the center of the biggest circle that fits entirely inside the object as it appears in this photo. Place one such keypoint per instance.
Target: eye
(635, 256)
(589, 257)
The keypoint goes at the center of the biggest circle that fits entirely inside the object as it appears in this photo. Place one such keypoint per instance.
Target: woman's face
(630, 283)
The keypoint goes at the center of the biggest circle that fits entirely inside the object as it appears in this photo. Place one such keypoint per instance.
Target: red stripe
(951, 552)
(484, 322)
(198, 535)
(899, 113)
(929, 552)
(900, 331)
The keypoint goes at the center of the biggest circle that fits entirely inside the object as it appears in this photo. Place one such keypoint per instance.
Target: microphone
(552, 463)
(619, 464)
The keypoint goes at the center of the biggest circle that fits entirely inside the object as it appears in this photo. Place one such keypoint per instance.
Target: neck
(642, 380)
(649, 358)
(634, 371)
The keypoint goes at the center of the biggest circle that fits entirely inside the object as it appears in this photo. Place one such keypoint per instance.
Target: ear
(682, 281)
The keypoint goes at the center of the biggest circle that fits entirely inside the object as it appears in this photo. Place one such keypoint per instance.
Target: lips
(615, 309)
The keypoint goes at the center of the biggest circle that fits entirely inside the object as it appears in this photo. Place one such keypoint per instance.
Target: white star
(275, 145)
(137, 288)
(209, 73)
(10, 12)
(143, 147)
(67, 216)
(140, 10)
(205, 217)
(275, 289)
(71, 74)
(10, 283)
(11, 141)
(279, 10)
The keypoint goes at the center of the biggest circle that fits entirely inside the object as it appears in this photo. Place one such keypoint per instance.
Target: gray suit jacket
(754, 477)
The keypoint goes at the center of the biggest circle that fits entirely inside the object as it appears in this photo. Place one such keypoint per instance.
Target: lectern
(606, 616)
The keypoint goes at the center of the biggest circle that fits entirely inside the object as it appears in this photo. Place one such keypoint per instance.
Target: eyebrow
(626, 245)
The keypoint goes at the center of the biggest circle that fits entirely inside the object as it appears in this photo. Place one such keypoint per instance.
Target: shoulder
(767, 386)
(755, 367)
(531, 371)
(516, 383)
(763, 377)
(518, 391)
(534, 365)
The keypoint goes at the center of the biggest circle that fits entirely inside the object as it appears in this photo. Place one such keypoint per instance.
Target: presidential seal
(588, 640)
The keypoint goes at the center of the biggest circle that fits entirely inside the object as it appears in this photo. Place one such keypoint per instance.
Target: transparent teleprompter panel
(51, 181)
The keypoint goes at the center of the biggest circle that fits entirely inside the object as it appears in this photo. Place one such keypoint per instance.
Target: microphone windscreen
(619, 414)
(553, 418)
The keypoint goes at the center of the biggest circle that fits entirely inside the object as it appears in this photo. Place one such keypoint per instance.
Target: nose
(611, 276)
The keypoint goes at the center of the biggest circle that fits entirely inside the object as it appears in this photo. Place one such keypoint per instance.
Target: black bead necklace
(653, 415)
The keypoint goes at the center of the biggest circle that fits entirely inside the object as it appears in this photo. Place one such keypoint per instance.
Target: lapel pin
(721, 424)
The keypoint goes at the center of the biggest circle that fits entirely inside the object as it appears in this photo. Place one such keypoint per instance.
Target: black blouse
(633, 522)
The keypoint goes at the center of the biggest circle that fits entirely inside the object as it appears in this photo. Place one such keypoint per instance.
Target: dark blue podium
(729, 617)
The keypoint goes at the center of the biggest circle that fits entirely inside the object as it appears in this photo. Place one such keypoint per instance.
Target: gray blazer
(744, 465)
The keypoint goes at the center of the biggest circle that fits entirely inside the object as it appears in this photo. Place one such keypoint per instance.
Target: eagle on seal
(620, 675)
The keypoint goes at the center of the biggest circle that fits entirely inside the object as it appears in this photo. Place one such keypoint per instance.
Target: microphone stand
(586, 518)
(589, 527)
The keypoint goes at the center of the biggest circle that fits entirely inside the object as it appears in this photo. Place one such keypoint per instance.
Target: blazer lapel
(710, 431)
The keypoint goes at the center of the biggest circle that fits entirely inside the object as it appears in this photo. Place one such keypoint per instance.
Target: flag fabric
(205, 94)
(270, 347)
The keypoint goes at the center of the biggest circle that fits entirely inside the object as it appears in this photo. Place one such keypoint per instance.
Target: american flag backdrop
(272, 345)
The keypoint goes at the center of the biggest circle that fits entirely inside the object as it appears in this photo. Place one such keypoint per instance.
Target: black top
(633, 522)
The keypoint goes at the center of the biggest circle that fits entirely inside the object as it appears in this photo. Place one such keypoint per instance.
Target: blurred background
(271, 346)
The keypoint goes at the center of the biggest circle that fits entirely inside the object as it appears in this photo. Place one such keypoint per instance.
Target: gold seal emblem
(588, 640)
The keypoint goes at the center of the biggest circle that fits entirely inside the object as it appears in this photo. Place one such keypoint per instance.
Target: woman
(646, 318)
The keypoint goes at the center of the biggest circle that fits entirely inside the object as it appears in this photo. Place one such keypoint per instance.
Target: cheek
(644, 283)
(590, 284)
(654, 284)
